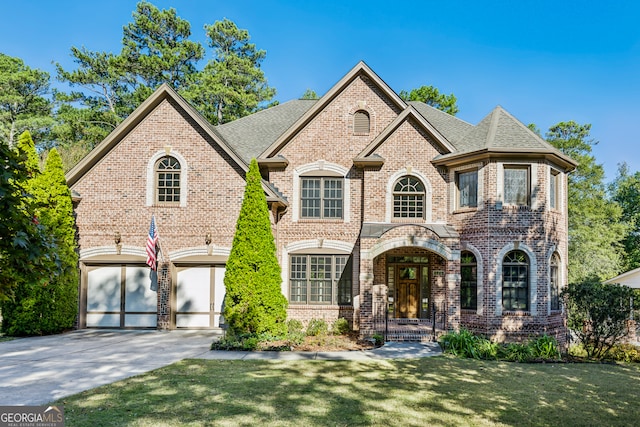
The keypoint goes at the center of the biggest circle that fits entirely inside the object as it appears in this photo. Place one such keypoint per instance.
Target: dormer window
(361, 123)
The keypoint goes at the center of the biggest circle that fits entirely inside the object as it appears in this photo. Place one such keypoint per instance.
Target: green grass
(441, 391)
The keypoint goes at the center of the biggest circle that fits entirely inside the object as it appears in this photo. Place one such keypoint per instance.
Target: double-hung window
(320, 279)
(322, 197)
(467, 189)
(517, 186)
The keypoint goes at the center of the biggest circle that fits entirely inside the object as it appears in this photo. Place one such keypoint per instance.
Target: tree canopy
(23, 100)
(430, 95)
(625, 190)
(595, 226)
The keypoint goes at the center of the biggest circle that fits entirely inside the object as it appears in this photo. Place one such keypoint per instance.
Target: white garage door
(199, 295)
(119, 296)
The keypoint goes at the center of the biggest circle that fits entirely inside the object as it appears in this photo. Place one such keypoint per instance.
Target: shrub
(295, 332)
(340, 327)
(254, 302)
(518, 352)
(597, 314)
(544, 347)
(378, 339)
(625, 353)
(466, 344)
(461, 344)
(317, 327)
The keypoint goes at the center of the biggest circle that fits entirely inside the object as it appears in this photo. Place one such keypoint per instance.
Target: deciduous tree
(595, 227)
(47, 304)
(27, 253)
(625, 190)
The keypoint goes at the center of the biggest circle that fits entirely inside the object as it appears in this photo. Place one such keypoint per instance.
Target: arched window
(469, 283)
(167, 172)
(361, 122)
(408, 198)
(515, 281)
(554, 282)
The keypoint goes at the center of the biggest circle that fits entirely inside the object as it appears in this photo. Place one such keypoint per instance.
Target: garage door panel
(103, 289)
(139, 296)
(194, 297)
(103, 320)
(140, 320)
(194, 290)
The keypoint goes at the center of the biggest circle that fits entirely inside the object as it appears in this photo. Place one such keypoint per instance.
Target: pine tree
(254, 302)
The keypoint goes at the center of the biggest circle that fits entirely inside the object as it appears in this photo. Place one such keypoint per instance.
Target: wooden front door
(408, 292)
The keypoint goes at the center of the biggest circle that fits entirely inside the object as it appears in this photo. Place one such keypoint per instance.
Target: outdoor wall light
(117, 238)
(207, 239)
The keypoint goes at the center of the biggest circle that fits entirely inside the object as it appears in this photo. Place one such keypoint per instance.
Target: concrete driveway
(38, 370)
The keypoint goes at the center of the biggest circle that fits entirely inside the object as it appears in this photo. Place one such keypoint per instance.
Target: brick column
(164, 297)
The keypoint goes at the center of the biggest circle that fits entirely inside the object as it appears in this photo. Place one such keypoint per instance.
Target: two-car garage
(119, 296)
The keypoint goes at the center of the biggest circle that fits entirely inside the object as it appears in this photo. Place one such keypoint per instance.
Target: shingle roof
(251, 135)
(499, 131)
(453, 128)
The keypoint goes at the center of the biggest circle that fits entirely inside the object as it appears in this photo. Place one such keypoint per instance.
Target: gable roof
(501, 133)
(630, 278)
(164, 92)
(409, 113)
(361, 69)
(249, 136)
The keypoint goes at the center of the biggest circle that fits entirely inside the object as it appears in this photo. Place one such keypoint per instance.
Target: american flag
(152, 242)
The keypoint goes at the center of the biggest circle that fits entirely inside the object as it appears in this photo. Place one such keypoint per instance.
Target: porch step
(409, 337)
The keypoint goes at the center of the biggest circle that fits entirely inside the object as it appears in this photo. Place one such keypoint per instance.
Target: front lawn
(414, 392)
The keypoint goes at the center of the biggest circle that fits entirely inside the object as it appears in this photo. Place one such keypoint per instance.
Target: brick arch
(151, 178)
(428, 192)
(466, 246)
(432, 245)
(362, 106)
(321, 167)
(111, 250)
(533, 276)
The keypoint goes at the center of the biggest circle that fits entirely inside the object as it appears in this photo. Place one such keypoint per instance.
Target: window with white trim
(408, 198)
(469, 282)
(515, 281)
(320, 279)
(467, 185)
(554, 180)
(167, 174)
(361, 123)
(321, 197)
(554, 282)
(517, 185)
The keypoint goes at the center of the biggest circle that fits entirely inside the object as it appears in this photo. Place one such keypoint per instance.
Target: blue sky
(543, 61)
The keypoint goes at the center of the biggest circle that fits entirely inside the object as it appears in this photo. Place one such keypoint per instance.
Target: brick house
(392, 214)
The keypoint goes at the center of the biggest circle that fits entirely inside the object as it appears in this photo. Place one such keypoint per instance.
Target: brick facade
(114, 198)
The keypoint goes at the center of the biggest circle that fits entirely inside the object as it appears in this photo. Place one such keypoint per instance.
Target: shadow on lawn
(414, 392)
